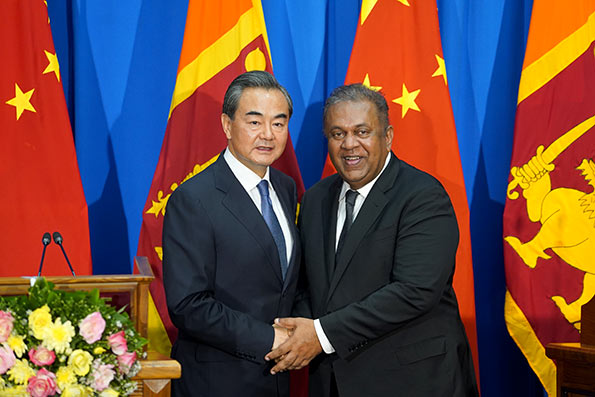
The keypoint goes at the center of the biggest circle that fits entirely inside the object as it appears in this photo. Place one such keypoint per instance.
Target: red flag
(221, 41)
(397, 50)
(549, 221)
(42, 190)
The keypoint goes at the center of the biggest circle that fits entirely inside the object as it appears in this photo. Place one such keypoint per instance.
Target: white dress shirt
(249, 180)
(341, 214)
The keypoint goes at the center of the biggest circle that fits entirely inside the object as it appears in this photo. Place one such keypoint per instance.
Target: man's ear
(389, 137)
(226, 124)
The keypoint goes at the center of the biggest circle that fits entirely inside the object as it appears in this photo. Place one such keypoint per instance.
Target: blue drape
(118, 63)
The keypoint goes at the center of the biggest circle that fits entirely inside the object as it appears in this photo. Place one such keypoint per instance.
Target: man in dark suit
(231, 251)
(379, 242)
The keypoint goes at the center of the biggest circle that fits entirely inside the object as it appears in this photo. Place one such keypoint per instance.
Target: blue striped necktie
(272, 222)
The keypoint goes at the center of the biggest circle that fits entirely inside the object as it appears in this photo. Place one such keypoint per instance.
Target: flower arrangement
(68, 343)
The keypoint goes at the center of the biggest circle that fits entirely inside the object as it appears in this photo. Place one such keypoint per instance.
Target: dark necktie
(266, 206)
(350, 197)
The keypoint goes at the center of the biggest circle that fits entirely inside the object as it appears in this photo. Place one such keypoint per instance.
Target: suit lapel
(287, 206)
(328, 221)
(370, 211)
(239, 203)
(330, 204)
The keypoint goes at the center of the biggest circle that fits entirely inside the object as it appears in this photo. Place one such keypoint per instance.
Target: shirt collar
(247, 178)
(365, 190)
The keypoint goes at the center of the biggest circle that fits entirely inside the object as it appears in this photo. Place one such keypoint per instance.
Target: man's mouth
(352, 160)
(264, 148)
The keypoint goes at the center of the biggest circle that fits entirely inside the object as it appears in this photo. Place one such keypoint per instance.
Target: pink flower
(126, 361)
(43, 384)
(117, 342)
(42, 356)
(7, 359)
(102, 375)
(6, 321)
(92, 327)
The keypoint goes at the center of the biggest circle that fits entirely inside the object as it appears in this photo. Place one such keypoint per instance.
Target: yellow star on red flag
(366, 82)
(368, 5)
(441, 70)
(53, 65)
(407, 100)
(21, 101)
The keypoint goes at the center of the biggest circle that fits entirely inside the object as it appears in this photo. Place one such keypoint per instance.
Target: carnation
(117, 342)
(101, 375)
(6, 324)
(91, 327)
(7, 359)
(126, 361)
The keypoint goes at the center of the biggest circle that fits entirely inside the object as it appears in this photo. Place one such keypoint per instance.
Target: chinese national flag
(41, 185)
(397, 51)
(222, 40)
(549, 221)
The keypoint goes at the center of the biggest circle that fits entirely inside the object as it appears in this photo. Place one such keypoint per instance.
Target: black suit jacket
(387, 306)
(223, 284)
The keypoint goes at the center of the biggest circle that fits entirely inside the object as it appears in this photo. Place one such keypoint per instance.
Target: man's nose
(266, 132)
(350, 141)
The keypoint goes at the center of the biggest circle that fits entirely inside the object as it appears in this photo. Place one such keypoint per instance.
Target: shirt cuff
(324, 342)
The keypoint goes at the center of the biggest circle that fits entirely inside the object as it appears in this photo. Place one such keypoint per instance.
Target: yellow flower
(65, 377)
(20, 372)
(77, 391)
(109, 392)
(98, 350)
(17, 344)
(17, 391)
(58, 336)
(39, 321)
(80, 362)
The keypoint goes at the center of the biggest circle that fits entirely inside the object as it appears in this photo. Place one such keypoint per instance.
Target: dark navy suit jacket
(386, 304)
(223, 284)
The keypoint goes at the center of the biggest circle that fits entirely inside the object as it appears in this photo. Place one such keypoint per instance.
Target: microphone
(58, 240)
(46, 240)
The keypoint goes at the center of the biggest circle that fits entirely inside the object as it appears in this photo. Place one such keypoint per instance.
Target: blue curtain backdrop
(118, 63)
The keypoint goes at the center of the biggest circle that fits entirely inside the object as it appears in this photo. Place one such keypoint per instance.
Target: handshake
(296, 344)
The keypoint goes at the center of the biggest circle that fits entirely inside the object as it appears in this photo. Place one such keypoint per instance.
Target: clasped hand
(299, 348)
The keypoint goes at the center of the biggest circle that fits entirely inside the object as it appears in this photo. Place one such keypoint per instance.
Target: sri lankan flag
(41, 185)
(398, 51)
(222, 39)
(549, 217)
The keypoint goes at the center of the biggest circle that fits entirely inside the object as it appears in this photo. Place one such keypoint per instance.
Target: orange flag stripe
(214, 58)
(198, 37)
(548, 33)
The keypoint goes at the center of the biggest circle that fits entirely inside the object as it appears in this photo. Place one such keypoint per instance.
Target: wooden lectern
(157, 371)
(575, 362)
